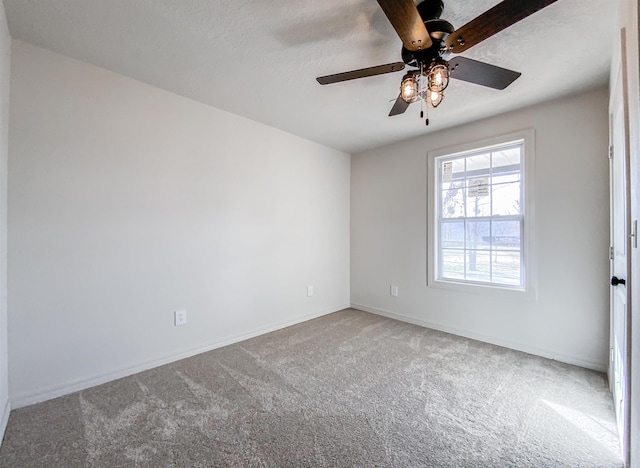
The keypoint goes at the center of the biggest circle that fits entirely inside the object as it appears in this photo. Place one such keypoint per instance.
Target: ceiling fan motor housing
(430, 9)
(438, 30)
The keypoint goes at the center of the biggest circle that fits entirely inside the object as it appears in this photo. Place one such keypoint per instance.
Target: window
(479, 218)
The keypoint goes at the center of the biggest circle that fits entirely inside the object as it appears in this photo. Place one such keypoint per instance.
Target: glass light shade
(438, 76)
(409, 89)
(434, 98)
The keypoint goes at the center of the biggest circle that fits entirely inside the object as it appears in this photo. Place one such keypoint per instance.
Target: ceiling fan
(428, 43)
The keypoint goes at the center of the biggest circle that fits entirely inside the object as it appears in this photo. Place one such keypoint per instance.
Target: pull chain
(422, 100)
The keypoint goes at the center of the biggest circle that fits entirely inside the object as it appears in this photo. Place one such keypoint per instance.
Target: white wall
(127, 202)
(569, 320)
(5, 75)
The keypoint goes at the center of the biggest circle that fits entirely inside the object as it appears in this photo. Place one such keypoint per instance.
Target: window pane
(453, 201)
(452, 264)
(458, 168)
(478, 265)
(506, 235)
(478, 199)
(506, 199)
(506, 177)
(478, 166)
(506, 159)
(478, 235)
(452, 173)
(452, 235)
(506, 267)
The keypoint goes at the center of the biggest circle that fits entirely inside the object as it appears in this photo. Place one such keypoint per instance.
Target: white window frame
(527, 137)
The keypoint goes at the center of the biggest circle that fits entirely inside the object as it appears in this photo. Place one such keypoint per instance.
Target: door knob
(615, 281)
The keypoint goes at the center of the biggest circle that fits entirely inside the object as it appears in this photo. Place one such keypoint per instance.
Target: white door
(618, 370)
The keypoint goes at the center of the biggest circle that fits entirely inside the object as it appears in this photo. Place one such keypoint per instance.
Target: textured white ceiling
(260, 58)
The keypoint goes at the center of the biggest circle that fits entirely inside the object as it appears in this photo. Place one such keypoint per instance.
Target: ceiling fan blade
(492, 21)
(481, 73)
(399, 107)
(361, 73)
(405, 19)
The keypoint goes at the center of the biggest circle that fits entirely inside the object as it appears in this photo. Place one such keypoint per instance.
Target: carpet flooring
(349, 389)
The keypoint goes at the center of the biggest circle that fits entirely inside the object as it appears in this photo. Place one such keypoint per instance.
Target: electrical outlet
(309, 291)
(180, 317)
(394, 291)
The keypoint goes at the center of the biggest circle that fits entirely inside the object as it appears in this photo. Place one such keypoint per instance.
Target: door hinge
(611, 253)
(610, 151)
(611, 354)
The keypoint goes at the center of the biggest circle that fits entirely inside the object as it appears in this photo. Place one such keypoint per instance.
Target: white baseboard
(5, 418)
(562, 357)
(26, 399)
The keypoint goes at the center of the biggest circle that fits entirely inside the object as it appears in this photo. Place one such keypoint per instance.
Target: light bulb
(407, 91)
(434, 98)
(438, 76)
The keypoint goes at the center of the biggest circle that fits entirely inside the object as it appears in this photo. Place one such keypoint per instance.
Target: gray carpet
(347, 389)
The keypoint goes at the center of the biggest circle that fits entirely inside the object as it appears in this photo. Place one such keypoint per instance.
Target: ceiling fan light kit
(428, 85)
(428, 43)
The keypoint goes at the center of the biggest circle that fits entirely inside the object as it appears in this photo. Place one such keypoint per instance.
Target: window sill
(485, 289)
